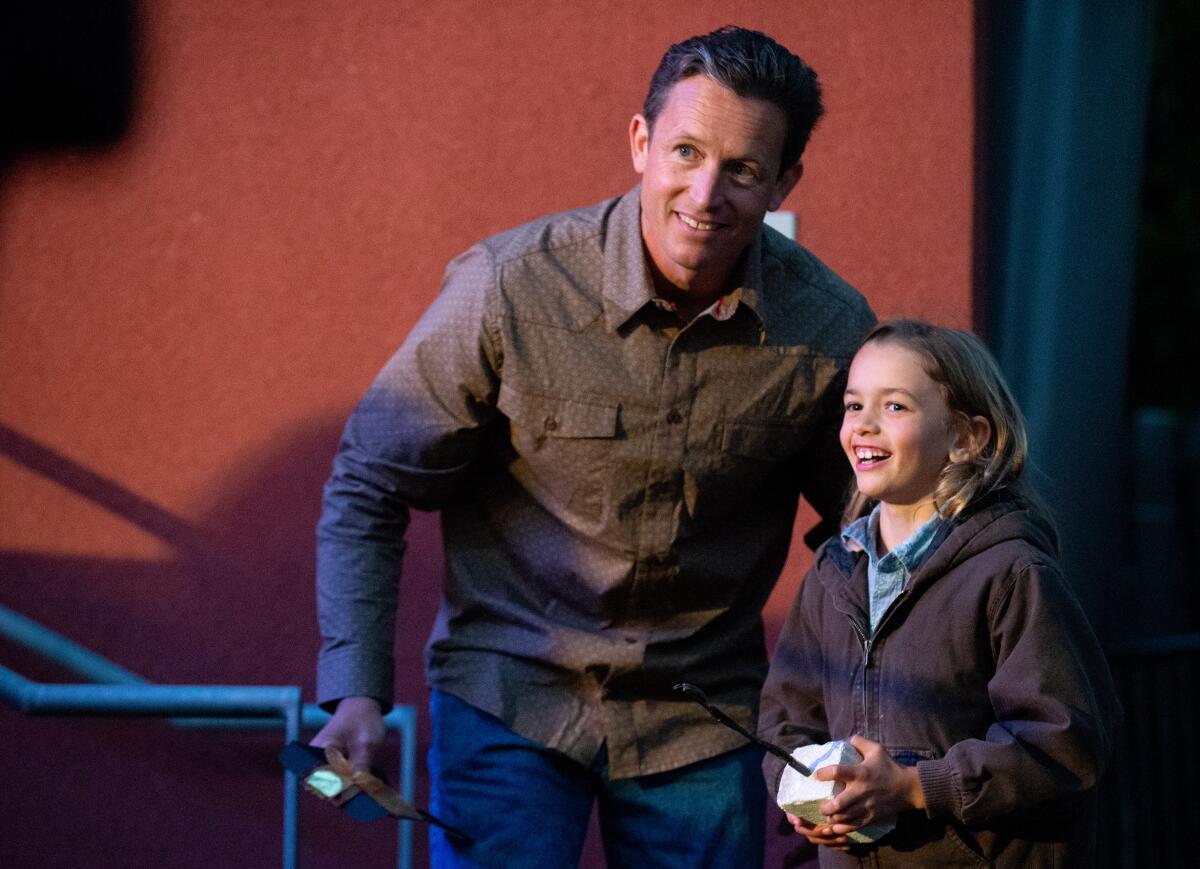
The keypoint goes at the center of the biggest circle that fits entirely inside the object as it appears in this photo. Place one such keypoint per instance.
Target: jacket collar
(996, 518)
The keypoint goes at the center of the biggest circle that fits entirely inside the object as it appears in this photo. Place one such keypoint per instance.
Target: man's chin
(700, 261)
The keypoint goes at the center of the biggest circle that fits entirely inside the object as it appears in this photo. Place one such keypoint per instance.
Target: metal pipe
(66, 653)
(291, 789)
(284, 702)
(158, 700)
(312, 717)
(406, 722)
(123, 692)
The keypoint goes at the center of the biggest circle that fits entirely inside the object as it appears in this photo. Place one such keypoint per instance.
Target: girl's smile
(897, 431)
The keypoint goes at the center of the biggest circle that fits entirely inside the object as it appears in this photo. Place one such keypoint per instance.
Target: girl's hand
(878, 789)
(821, 835)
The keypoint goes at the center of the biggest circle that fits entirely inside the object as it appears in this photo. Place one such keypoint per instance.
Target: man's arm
(405, 446)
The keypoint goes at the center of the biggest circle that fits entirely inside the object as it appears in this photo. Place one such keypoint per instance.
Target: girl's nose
(864, 423)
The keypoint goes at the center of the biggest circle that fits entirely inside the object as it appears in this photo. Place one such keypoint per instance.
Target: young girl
(937, 632)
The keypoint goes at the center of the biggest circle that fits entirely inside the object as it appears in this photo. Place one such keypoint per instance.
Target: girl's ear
(971, 436)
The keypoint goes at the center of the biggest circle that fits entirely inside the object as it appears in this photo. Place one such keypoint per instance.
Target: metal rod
(156, 700)
(291, 789)
(694, 693)
(407, 725)
(123, 692)
(66, 653)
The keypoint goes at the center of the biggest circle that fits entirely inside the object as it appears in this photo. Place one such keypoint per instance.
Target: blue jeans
(528, 806)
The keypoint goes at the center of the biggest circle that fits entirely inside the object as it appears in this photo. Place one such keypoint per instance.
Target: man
(615, 409)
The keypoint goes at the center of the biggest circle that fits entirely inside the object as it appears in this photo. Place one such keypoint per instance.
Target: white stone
(803, 796)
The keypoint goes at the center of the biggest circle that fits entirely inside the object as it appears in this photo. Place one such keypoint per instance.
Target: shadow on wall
(233, 603)
(230, 601)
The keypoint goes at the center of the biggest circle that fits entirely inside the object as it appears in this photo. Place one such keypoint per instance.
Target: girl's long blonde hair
(972, 385)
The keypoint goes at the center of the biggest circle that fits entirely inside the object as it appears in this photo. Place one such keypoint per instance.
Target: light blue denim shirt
(887, 576)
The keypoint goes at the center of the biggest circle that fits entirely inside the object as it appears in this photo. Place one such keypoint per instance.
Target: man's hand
(878, 789)
(822, 834)
(356, 730)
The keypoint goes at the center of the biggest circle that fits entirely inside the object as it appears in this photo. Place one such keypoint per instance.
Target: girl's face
(897, 430)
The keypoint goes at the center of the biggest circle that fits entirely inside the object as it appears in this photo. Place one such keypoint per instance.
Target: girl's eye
(895, 406)
(852, 406)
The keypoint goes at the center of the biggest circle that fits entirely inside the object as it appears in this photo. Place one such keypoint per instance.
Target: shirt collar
(628, 287)
(863, 532)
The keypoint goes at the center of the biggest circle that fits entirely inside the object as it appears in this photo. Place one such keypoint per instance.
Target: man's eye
(741, 170)
(685, 150)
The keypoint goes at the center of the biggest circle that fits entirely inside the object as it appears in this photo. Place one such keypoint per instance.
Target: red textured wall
(187, 317)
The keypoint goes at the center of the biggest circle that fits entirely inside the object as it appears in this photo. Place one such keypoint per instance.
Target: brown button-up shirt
(617, 487)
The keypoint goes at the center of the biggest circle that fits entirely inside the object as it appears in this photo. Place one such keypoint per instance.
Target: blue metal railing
(113, 690)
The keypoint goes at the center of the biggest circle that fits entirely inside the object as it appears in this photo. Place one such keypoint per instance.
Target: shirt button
(674, 418)
(551, 424)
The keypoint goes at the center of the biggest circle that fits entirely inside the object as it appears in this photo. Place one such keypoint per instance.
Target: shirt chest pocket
(564, 451)
(741, 468)
(763, 442)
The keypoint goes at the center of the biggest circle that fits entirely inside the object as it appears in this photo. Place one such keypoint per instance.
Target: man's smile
(697, 224)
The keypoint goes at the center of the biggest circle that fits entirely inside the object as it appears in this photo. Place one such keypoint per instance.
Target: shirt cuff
(347, 672)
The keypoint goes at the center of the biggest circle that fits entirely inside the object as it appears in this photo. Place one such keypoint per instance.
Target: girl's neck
(897, 522)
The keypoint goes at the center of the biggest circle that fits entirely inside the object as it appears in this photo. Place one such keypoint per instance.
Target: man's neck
(694, 296)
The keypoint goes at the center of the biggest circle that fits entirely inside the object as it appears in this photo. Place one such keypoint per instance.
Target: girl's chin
(869, 486)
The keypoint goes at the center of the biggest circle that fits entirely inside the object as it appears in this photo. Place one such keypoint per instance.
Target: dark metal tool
(693, 693)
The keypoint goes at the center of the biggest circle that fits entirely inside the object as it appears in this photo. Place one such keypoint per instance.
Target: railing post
(113, 690)
(408, 757)
(291, 787)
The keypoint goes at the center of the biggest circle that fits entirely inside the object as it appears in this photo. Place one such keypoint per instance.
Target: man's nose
(706, 189)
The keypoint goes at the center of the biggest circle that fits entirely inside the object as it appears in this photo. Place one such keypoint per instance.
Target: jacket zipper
(867, 645)
(866, 648)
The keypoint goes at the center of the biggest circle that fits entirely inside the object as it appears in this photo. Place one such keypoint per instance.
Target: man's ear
(971, 436)
(639, 142)
(784, 185)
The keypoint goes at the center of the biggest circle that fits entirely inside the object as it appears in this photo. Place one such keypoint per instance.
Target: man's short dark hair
(751, 64)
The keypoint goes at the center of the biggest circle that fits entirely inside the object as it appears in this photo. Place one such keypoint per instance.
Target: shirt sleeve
(1055, 710)
(824, 471)
(410, 438)
(792, 712)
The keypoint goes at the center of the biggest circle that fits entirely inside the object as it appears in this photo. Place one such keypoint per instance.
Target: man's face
(710, 171)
